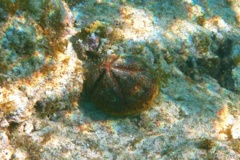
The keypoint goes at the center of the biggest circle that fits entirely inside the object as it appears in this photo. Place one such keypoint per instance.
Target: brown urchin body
(122, 85)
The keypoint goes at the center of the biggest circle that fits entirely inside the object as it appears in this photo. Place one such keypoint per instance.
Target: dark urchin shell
(122, 85)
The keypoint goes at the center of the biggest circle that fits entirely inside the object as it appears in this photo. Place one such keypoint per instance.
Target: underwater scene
(119, 79)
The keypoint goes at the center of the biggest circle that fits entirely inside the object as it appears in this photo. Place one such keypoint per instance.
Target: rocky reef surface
(48, 46)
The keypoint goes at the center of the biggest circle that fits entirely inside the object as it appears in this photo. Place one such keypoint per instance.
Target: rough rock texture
(46, 46)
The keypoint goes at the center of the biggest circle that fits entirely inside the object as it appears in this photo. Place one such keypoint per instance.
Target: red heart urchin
(122, 85)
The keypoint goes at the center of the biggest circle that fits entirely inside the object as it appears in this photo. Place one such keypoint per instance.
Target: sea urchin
(122, 84)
